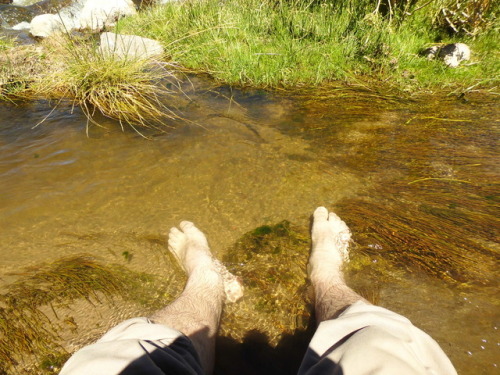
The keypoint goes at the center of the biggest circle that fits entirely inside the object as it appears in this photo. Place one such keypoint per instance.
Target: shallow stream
(404, 175)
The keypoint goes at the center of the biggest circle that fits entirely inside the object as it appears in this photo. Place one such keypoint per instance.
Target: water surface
(259, 159)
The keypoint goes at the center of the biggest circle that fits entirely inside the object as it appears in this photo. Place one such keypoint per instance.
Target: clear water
(256, 160)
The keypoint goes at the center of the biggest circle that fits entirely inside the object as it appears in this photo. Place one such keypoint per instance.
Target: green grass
(277, 43)
(5, 43)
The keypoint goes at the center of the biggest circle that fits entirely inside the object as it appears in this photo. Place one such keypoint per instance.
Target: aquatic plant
(433, 211)
(27, 331)
(271, 261)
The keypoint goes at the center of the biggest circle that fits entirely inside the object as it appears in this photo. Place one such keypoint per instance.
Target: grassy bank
(293, 43)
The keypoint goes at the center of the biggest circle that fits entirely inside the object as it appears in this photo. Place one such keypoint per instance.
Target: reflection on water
(261, 159)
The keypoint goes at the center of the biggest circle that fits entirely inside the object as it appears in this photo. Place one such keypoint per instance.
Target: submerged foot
(330, 240)
(189, 245)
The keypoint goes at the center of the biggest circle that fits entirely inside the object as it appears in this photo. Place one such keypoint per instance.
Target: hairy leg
(330, 240)
(197, 311)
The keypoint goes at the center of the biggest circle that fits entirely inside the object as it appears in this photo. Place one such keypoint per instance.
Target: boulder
(45, 25)
(129, 46)
(92, 15)
(97, 14)
(430, 53)
(453, 54)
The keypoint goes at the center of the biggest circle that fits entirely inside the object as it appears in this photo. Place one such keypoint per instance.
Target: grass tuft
(136, 92)
(133, 91)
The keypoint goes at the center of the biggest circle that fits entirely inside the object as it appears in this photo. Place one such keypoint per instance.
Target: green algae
(271, 261)
(31, 322)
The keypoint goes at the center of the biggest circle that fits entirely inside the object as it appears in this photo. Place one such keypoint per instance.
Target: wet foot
(330, 240)
(189, 245)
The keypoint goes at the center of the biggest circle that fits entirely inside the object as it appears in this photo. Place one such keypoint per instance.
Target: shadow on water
(255, 355)
(415, 182)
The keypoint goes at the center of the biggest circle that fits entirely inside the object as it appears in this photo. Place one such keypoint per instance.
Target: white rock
(24, 2)
(453, 54)
(22, 26)
(129, 46)
(97, 14)
(44, 25)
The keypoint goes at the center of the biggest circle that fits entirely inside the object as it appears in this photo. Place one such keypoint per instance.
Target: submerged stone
(12, 14)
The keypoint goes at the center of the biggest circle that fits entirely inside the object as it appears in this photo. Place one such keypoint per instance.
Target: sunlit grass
(252, 43)
(5, 43)
(133, 91)
(286, 44)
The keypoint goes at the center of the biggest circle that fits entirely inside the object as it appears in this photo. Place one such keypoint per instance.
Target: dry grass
(467, 17)
(19, 68)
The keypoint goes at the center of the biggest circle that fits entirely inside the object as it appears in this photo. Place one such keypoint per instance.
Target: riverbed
(400, 172)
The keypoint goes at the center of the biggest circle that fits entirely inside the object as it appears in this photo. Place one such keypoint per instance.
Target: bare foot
(330, 240)
(189, 245)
